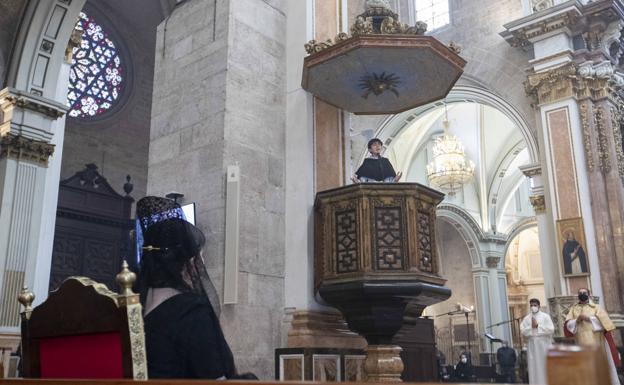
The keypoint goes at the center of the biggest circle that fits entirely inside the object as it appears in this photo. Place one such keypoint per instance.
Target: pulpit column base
(383, 363)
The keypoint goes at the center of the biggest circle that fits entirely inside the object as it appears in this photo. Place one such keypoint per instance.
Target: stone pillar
(546, 234)
(220, 100)
(499, 309)
(576, 90)
(32, 123)
(26, 146)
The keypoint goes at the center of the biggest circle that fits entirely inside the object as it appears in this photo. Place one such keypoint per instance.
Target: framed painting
(573, 247)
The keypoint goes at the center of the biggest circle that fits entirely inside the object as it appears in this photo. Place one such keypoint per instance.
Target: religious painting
(573, 246)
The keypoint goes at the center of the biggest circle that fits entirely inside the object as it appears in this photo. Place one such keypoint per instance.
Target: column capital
(492, 261)
(539, 203)
(20, 147)
(531, 170)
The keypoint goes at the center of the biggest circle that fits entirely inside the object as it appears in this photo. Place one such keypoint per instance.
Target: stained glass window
(433, 12)
(96, 74)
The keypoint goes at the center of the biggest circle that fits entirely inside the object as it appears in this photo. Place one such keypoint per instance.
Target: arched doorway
(525, 280)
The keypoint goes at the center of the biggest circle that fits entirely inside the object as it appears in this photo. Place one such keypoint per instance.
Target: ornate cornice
(520, 33)
(11, 98)
(531, 170)
(18, 147)
(377, 19)
(539, 203)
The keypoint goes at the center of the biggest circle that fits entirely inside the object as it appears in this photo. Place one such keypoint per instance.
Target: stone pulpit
(376, 261)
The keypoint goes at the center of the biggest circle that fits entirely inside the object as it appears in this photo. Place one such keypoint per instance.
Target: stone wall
(219, 100)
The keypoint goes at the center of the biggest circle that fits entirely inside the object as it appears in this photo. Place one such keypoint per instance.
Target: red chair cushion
(83, 356)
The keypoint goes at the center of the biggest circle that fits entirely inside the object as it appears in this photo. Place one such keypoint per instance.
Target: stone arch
(519, 227)
(465, 91)
(467, 227)
(39, 50)
(494, 203)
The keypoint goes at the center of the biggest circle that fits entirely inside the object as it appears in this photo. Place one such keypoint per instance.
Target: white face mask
(534, 309)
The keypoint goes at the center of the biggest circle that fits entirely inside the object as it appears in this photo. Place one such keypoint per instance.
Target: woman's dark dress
(184, 339)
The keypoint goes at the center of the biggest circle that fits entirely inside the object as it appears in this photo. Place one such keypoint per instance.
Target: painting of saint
(573, 251)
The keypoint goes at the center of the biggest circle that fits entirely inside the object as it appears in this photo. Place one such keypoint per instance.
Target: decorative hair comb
(151, 248)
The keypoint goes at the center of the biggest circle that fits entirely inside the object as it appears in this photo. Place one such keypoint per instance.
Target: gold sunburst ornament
(449, 170)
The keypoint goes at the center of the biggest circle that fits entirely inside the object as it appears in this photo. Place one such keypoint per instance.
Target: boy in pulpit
(376, 168)
(590, 325)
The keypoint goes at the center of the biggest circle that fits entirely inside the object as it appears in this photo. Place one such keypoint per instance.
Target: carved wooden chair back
(84, 330)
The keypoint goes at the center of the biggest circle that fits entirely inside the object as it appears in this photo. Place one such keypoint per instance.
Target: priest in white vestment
(538, 329)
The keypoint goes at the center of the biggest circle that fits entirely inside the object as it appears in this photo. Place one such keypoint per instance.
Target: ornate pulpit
(376, 261)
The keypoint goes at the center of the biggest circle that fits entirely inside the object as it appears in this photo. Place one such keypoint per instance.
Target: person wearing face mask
(590, 325)
(463, 369)
(538, 329)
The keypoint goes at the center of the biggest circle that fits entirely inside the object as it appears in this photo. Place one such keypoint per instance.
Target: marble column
(545, 231)
(498, 291)
(576, 92)
(26, 148)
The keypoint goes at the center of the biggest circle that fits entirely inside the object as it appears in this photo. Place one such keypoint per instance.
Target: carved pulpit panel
(376, 231)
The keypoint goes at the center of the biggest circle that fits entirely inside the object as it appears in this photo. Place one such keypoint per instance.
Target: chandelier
(450, 170)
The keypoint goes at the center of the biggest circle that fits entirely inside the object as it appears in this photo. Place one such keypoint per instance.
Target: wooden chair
(84, 330)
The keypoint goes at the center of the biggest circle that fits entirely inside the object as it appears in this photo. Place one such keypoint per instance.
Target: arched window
(433, 12)
(96, 77)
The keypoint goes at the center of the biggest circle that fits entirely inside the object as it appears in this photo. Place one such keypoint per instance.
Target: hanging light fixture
(450, 170)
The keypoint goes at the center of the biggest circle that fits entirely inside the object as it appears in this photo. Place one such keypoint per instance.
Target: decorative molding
(137, 340)
(589, 154)
(539, 203)
(531, 170)
(616, 125)
(603, 142)
(377, 19)
(476, 229)
(11, 98)
(552, 85)
(581, 81)
(540, 5)
(522, 35)
(492, 262)
(21, 148)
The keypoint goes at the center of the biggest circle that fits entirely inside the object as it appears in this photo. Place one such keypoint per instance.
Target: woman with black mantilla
(183, 335)
(376, 168)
